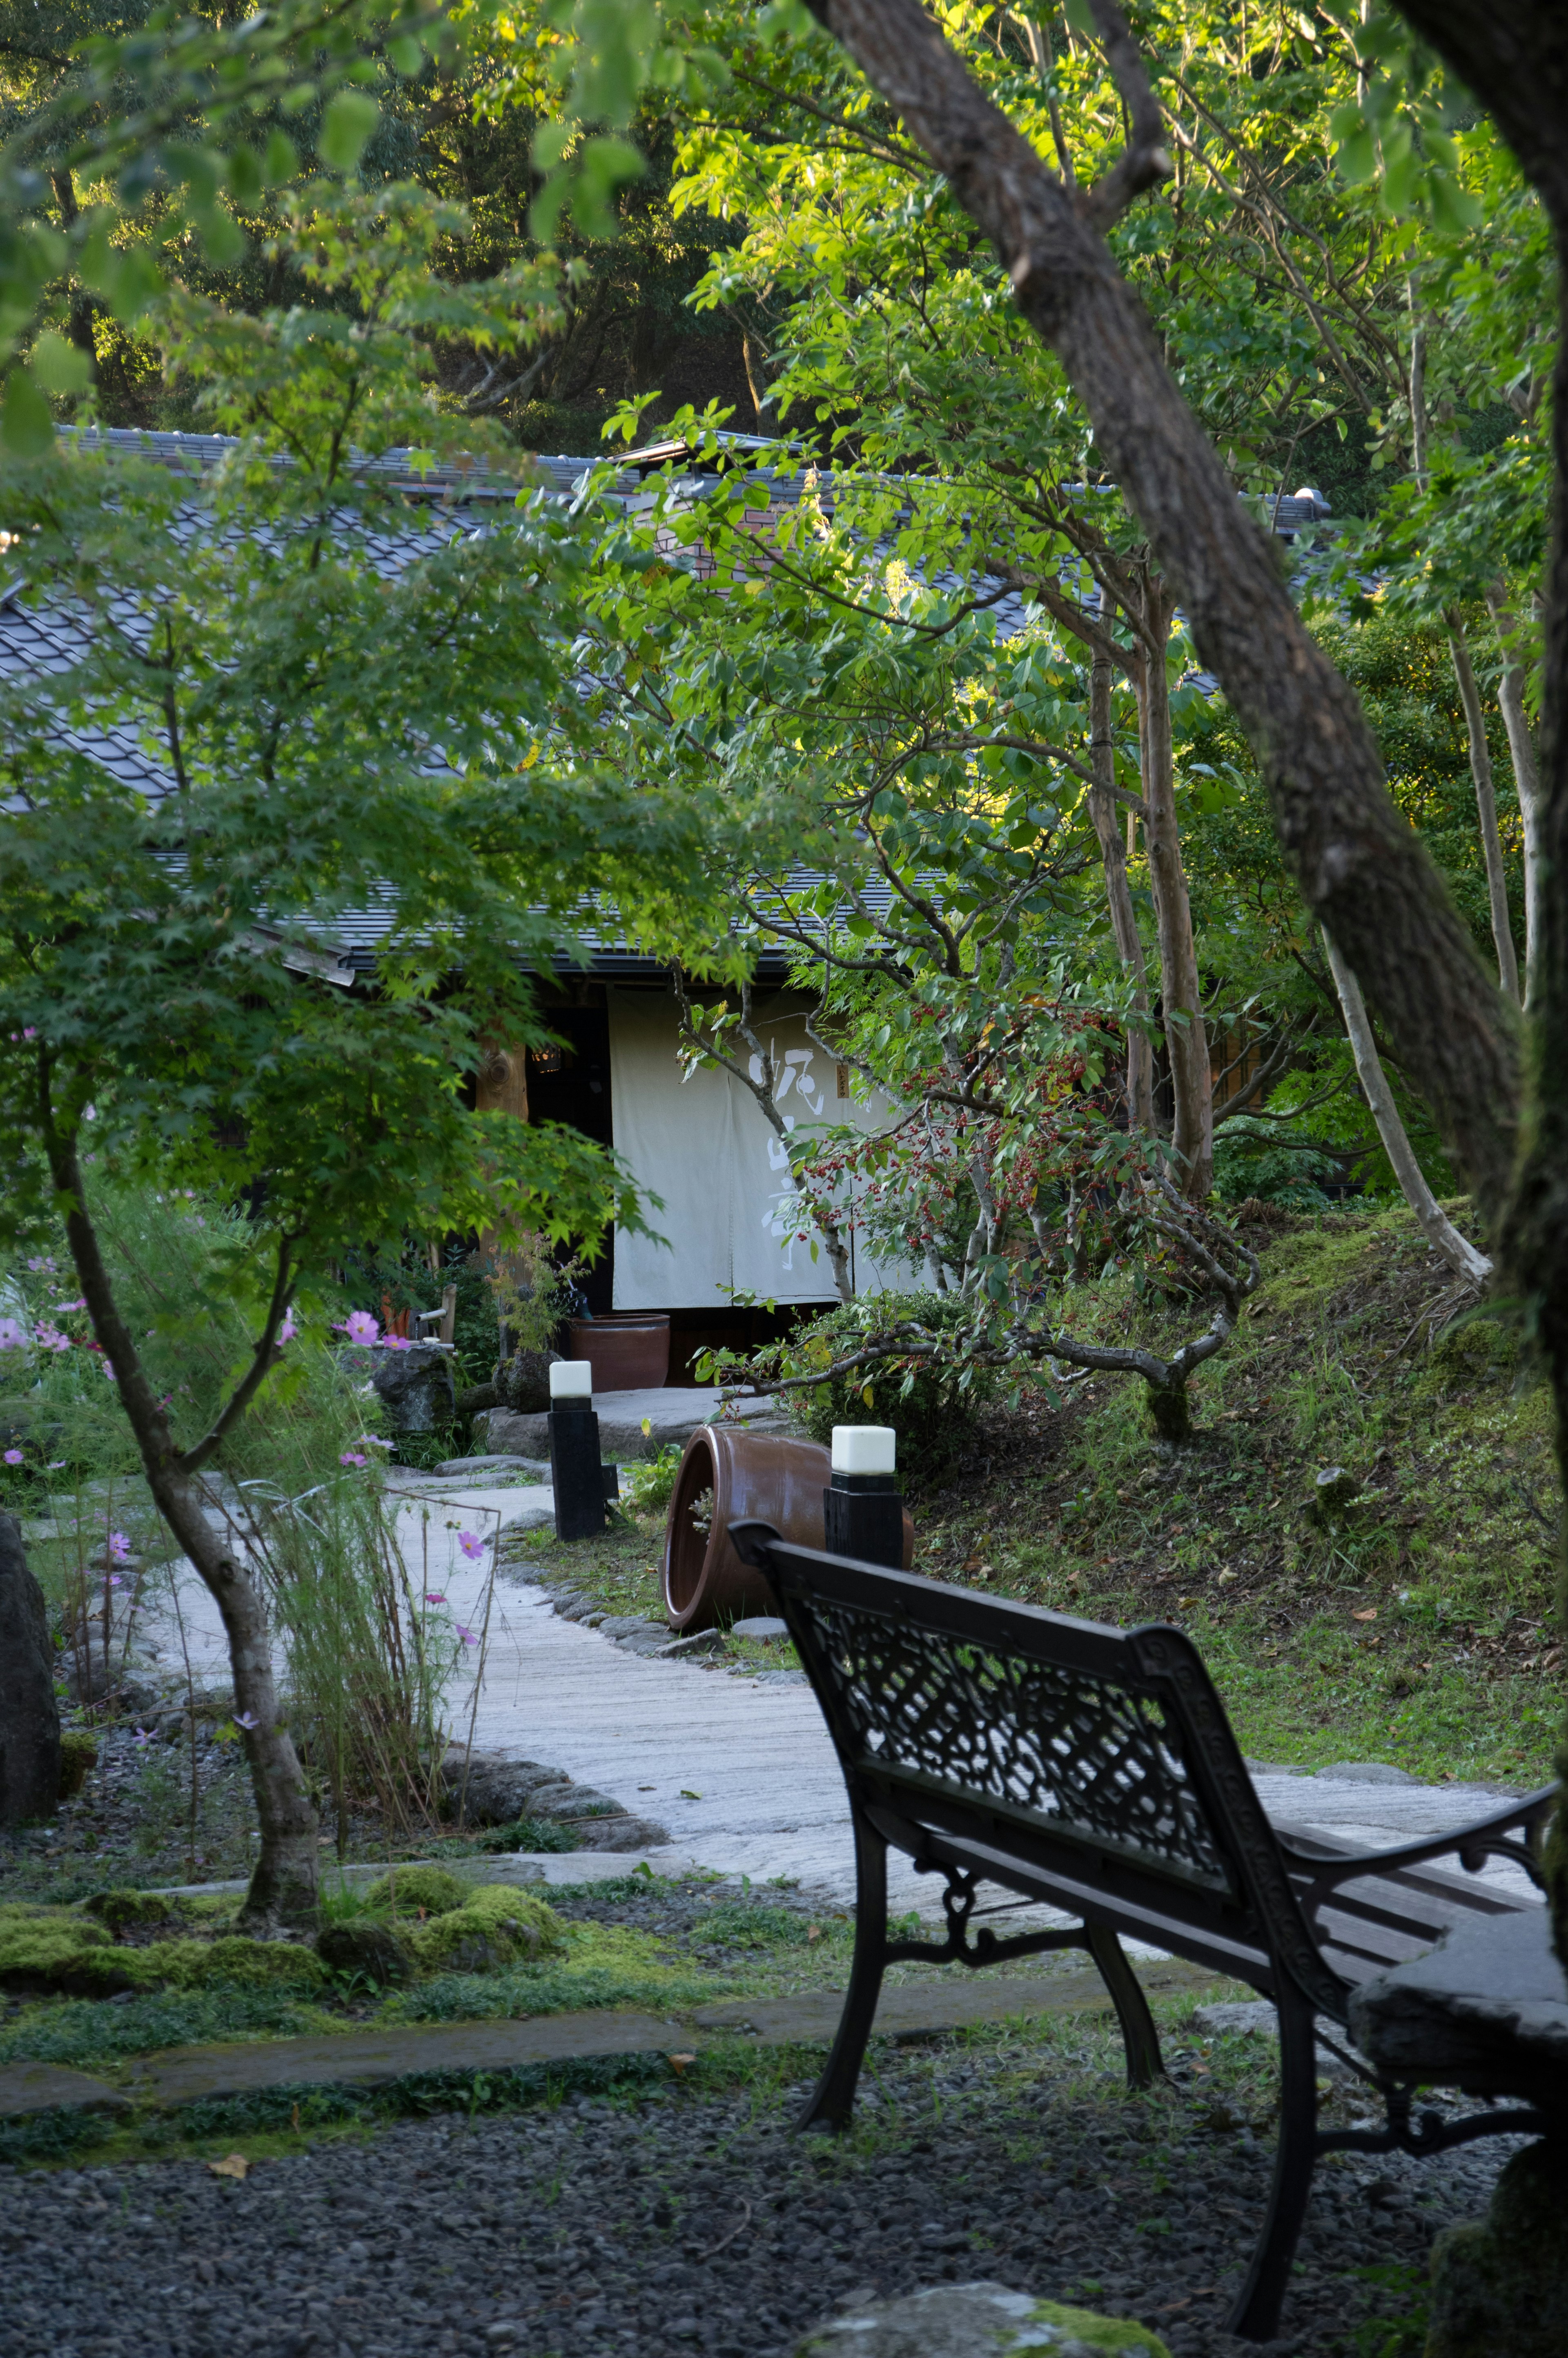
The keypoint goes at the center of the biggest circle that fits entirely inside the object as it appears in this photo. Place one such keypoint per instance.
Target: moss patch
(496, 1927)
(414, 1888)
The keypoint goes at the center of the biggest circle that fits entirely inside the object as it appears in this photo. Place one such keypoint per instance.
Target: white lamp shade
(571, 1379)
(864, 1449)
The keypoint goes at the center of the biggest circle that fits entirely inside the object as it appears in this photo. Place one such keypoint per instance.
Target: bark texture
(283, 1887)
(1119, 899)
(1527, 776)
(1360, 867)
(1187, 1034)
(1441, 1235)
(29, 1715)
(1485, 806)
(1514, 56)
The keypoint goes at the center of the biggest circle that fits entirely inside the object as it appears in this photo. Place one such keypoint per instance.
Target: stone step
(360, 2058)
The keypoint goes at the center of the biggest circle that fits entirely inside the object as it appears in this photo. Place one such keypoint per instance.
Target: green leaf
(60, 366)
(1080, 16)
(26, 429)
(281, 161)
(407, 54)
(605, 163)
(346, 129)
(244, 176)
(1356, 157)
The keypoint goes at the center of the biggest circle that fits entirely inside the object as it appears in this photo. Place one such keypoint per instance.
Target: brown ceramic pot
(726, 1474)
(630, 1349)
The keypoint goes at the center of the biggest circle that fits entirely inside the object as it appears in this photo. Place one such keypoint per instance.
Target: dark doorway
(571, 1085)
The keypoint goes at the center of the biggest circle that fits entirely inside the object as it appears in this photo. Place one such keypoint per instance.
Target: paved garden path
(741, 1774)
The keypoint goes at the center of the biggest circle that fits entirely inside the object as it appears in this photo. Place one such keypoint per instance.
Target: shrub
(78, 1759)
(931, 1409)
(649, 1487)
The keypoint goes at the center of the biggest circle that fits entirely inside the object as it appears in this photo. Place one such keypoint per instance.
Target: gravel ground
(683, 2222)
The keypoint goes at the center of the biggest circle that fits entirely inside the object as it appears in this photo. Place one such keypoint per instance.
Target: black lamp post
(580, 1482)
(862, 1505)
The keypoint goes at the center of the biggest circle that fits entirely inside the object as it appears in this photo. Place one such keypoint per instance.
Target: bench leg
(1139, 2036)
(833, 2098)
(1256, 2315)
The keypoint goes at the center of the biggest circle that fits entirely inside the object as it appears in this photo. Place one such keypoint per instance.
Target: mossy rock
(78, 1759)
(1500, 2285)
(122, 1909)
(498, 1926)
(361, 1946)
(410, 1888)
(36, 1946)
(980, 2319)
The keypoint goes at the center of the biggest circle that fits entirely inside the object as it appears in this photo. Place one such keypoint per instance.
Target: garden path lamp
(581, 1483)
(862, 1506)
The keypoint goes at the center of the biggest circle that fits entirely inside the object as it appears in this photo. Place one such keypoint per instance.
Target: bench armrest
(1483, 1838)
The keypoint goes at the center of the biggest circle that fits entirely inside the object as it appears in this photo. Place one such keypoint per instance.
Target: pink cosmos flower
(119, 1547)
(395, 1343)
(41, 1261)
(11, 1336)
(360, 1326)
(431, 1600)
(145, 1736)
(109, 1370)
(61, 1307)
(471, 1545)
(466, 1635)
(288, 1330)
(49, 1338)
(246, 1719)
(12, 1457)
(352, 1457)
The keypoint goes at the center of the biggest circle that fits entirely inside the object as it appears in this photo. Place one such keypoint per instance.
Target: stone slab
(499, 1866)
(1486, 2009)
(47, 2087)
(671, 1413)
(357, 2058)
(917, 2010)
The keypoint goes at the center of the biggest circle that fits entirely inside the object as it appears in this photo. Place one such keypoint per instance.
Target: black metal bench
(1095, 1770)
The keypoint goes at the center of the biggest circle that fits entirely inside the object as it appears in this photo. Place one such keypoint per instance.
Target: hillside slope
(1415, 1626)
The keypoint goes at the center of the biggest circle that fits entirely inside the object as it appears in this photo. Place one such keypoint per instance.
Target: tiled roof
(49, 637)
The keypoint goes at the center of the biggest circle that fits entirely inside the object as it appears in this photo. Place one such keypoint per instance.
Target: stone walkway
(741, 1774)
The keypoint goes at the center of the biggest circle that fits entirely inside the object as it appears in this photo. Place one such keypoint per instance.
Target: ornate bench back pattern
(1082, 1752)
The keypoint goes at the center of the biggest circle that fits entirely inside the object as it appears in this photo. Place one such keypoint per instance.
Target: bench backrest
(1097, 1755)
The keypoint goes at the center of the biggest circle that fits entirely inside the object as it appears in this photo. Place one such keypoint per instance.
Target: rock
(523, 1383)
(416, 1388)
(122, 1909)
(1366, 1772)
(759, 1625)
(1486, 2010)
(624, 1833)
(78, 1759)
(1332, 1492)
(29, 1715)
(361, 1946)
(701, 1641)
(470, 1468)
(1500, 2285)
(492, 1792)
(566, 1800)
(975, 2320)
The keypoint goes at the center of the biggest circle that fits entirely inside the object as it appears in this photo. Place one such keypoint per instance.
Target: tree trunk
(1170, 1411)
(1119, 899)
(1186, 1035)
(1441, 1235)
(29, 1715)
(1486, 804)
(1527, 777)
(284, 1886)
(1514, 55)
(1360, 867)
